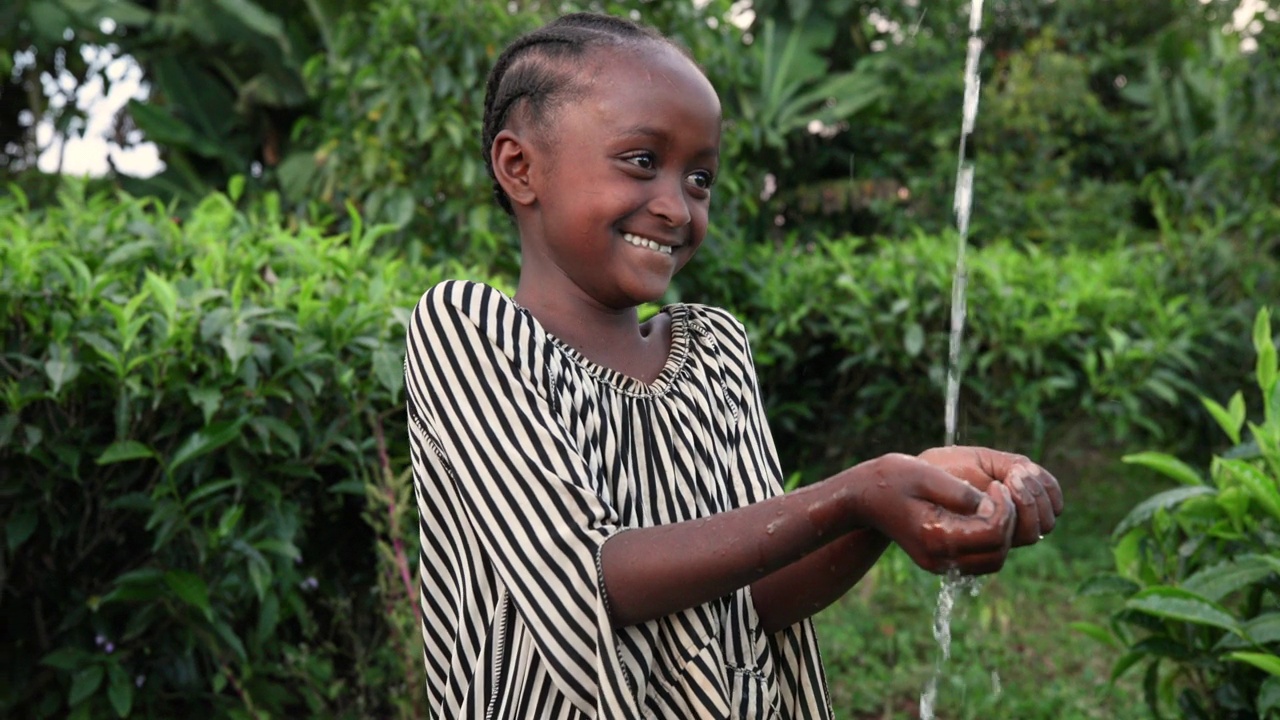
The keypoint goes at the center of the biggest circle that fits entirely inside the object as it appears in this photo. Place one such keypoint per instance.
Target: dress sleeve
(472, 380)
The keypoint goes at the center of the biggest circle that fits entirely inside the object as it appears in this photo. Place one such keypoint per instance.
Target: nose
(671, 203)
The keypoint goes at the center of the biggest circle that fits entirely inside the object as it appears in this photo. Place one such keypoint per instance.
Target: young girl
(603, 529)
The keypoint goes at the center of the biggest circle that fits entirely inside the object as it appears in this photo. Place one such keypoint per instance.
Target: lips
(644, 242)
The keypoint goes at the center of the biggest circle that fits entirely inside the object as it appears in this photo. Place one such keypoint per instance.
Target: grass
(1013, 652)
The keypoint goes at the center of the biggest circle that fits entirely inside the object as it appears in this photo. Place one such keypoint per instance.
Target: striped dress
(527, 457)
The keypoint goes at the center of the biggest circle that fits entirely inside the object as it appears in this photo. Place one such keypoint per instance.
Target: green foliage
(1199, 568)
(226, 79)
(398, 131)
(196, 417)
(851, 339)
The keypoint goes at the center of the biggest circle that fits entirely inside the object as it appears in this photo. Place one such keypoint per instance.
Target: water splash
(954, 583)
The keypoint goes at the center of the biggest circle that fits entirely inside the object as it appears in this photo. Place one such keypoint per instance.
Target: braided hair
(541, 70)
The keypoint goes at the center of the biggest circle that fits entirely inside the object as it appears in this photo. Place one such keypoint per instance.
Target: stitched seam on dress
(604, 599)
(749, 672)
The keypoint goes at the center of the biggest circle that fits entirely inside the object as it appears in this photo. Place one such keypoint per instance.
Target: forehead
(650, 83)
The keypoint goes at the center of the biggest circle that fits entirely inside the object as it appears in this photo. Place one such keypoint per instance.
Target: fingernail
(986, 507)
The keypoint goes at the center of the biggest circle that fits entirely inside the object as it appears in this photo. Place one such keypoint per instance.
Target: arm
(807, 586)
(940, 521)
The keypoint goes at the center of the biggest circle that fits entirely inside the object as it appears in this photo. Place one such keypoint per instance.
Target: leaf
(229, 637)
(84, 684)
(191, 588)
(122, 450)
(913, 339)
(1230, 418)
(21, 525)
(204, 441)
(1261, 630)
(1268, 697)
(1177, 604)
(65, 658)
(165, 295)
(61, 372)
(1263, 661)
(1124, 664)
(281, 430)
(1266, 366)
(120, 691)
(208, 399)
(388, 366)
(257, 20)
(1218, 581)
(1262, 488)
(1161, 501)
(1107, 585)
(1167, 465)
(1097, 632)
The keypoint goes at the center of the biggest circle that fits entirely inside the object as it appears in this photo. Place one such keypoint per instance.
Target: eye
(702, 179)
(643, 160)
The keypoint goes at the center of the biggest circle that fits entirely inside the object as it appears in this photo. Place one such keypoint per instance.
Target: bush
(201, 433)
(1199, 569)
(851, 339)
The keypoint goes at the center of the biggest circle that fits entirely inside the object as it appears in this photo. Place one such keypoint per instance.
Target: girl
(603, 529)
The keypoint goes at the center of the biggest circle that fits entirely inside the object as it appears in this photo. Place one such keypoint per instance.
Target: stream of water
(954, 583)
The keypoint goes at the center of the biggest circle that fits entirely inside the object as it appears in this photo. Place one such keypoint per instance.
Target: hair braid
(536, 68)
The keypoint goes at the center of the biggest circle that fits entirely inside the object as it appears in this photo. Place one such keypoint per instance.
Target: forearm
(655, 571)
(805, 587)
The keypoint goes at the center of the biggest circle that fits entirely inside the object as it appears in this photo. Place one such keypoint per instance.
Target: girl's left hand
(1036, 493)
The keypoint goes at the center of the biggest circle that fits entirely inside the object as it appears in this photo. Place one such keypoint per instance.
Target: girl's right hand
(940, 521)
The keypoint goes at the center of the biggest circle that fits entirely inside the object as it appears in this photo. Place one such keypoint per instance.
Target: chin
(639, 293)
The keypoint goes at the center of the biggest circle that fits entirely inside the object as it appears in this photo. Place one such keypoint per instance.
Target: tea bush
(1198, 567)
(202, 446)
(851, 337)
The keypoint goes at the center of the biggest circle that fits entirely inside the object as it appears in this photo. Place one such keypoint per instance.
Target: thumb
(955, 495)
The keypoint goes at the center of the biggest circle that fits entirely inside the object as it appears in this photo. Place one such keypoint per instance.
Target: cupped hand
(941, 522)
(1036, 493)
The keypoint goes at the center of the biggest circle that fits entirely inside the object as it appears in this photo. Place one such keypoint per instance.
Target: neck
(576, 318)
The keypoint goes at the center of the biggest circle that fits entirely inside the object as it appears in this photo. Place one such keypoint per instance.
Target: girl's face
(625, 180)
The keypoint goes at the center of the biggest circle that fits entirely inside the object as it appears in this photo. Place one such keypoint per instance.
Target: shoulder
(465, 297)
(720, 325)
(451, 300)
(456, 312)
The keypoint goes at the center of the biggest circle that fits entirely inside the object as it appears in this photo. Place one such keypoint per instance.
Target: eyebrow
(711, 152)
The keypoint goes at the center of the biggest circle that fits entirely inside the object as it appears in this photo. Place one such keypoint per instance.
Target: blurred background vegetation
(203, 455)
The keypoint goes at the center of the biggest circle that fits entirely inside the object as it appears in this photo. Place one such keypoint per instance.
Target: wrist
(871, 490)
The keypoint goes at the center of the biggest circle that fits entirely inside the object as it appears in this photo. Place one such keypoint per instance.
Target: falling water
(954, 582)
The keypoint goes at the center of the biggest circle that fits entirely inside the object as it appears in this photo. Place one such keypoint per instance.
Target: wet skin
(632, 158)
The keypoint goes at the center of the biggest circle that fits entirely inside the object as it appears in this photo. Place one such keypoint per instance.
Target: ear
(511, 164)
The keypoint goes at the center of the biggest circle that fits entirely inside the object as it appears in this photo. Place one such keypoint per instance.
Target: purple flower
(310, 584)
(139, 680)
(99, 639)
(110, 647)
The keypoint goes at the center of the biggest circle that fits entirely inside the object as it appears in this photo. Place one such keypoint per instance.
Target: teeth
(646, 243)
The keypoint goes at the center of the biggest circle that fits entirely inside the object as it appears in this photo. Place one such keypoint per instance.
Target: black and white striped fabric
(527, 457)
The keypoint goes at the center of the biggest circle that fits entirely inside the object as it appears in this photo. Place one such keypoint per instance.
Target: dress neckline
(677, 354)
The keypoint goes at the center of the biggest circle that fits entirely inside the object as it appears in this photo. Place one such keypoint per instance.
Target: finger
(988, 529)
(961, 462)
(1054, 491)
(1005, 511)
(952, 494)
(1048, 518)
(1029, 523)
